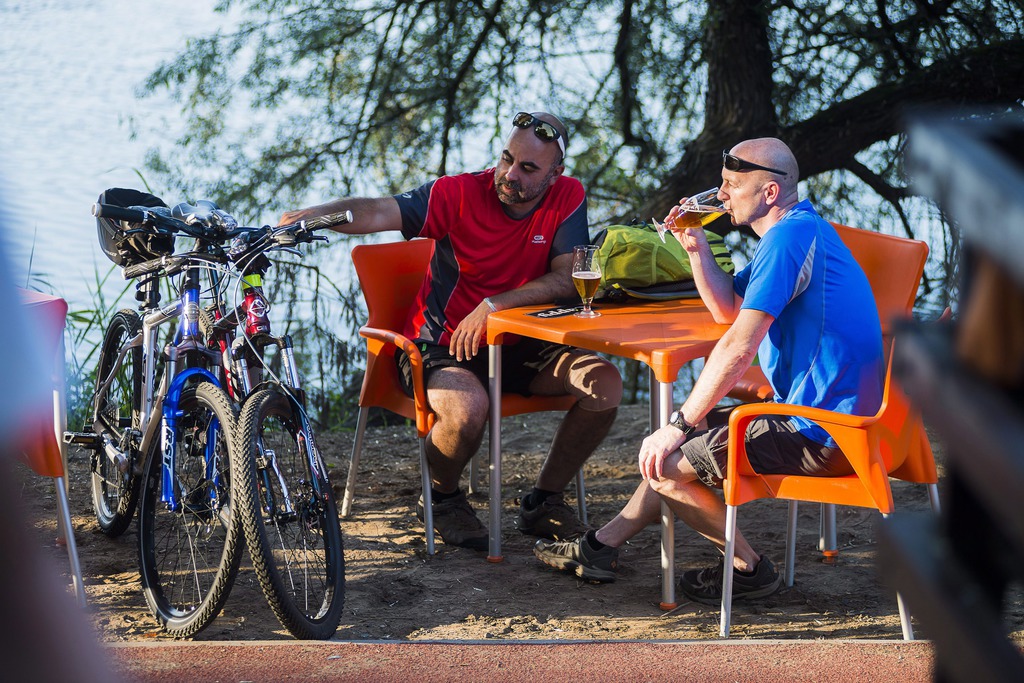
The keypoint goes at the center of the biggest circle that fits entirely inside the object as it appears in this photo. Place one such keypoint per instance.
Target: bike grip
(330, 220)
(118, 213)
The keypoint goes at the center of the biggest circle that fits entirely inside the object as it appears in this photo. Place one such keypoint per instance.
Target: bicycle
(162, 431)
(285, 499)
(189, 467)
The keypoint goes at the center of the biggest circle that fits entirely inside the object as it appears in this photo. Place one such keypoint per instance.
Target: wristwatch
(679, 423)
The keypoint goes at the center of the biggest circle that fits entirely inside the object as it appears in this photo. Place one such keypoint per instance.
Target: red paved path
(529, 662)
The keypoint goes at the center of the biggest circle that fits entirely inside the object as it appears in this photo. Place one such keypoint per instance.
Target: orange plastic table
(664, 335)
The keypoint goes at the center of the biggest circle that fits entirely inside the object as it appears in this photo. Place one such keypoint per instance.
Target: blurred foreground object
(968, 380)
(44, 636)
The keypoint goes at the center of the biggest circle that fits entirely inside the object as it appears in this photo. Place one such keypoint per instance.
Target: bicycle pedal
(84, 439)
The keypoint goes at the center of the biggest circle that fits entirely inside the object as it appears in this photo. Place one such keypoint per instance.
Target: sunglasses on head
(731, 163)
(545, 131)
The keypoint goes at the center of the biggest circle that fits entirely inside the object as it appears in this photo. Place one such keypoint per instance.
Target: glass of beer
(586, 275)
(693, 212)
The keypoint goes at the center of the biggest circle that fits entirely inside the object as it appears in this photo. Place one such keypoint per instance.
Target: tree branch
(987, 75)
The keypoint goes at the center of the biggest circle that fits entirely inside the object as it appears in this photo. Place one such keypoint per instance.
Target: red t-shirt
(480, 251)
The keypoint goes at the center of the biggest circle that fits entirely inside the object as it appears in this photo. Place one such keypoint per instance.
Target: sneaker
(578, 557)
(553, 519)
(705, 585)
(456, 523)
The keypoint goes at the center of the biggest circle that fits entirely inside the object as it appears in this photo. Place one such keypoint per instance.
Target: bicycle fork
(266, 457)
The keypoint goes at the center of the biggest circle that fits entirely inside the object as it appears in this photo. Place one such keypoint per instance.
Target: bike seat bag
(126, 249)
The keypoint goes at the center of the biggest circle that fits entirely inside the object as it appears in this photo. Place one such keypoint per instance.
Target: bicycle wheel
(290, 518)
(189, 554)
(114, 480)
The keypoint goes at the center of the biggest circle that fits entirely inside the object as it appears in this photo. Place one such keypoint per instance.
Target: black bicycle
(165, 434)
(285, 498)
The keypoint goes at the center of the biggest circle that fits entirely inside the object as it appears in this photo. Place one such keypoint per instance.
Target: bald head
(773, 153)
(759, 183)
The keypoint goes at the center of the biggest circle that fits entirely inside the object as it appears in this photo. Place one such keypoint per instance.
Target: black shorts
(774, 446)
(520, 363)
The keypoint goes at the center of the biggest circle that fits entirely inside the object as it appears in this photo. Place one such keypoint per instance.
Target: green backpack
(636, 263)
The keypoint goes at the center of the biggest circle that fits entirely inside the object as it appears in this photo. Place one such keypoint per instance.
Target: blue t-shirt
(824, 349)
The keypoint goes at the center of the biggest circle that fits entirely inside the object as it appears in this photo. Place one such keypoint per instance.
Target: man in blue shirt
(805, 308)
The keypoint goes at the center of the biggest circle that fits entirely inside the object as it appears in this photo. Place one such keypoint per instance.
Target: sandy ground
(394, 590)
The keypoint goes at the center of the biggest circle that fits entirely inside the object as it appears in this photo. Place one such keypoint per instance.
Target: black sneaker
(578, 557)
(553, 519)
(456, 522)
(705, 585)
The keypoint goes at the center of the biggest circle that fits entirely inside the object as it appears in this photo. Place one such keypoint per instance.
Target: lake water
(69, 70)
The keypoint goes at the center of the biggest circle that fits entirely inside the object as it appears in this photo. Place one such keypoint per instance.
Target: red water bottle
(255, 306)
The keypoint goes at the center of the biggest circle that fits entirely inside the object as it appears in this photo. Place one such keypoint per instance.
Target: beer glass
(694, 212)
(586, 275)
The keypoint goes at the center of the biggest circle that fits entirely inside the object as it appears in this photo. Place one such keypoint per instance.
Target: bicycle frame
(163, 401)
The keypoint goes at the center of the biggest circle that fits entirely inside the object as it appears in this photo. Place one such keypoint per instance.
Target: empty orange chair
(390, 276)
(42, 448)
(891, 443)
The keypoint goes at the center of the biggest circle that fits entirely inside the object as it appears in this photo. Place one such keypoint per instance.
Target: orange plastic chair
(390, 276)
(895, 289)
(42, 444)
(891, 443)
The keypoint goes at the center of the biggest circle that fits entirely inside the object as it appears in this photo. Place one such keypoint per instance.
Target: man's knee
(683, 491)
(596, 382)
(458, 399)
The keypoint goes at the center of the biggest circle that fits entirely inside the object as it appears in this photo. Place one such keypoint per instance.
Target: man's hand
(289, 217)
(466, 339)
(693, 239)
(656, 448)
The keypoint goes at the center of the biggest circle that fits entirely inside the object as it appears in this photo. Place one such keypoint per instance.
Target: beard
(511, 193)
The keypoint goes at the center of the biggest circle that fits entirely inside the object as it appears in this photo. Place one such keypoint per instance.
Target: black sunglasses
(545, 131)
(731, 163)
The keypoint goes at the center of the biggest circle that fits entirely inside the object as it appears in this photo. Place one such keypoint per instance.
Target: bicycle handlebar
(328, 221)
(206, 222)
(152, 216)
(170, 264)
(285, 236)
(119, 213)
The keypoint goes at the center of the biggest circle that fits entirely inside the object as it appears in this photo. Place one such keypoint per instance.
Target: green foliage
(84, 330)
(311, 99)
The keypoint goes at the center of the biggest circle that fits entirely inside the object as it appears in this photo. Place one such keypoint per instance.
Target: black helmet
(126, 250)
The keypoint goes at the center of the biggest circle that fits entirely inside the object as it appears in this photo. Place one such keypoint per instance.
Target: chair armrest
(836, 424)
(391, 338)
(749, 411)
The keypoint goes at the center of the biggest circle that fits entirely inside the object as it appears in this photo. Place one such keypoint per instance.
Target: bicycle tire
(188, 558)
(115, 491)
(298, 554)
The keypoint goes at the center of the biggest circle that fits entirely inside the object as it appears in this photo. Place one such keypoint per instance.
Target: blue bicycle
(163, 427)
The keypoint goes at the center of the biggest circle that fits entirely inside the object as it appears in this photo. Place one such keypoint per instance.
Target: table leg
(661, 408)
(494, 380)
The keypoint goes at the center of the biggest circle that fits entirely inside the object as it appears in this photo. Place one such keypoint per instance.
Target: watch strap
(679, 423)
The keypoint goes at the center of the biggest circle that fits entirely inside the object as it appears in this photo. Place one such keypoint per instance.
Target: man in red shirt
(504, 238)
